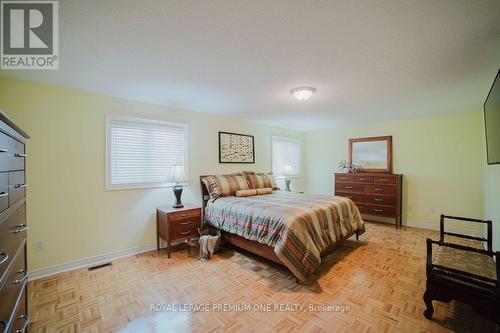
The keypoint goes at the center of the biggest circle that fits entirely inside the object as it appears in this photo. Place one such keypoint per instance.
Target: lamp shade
(177, 174)
(287, 170)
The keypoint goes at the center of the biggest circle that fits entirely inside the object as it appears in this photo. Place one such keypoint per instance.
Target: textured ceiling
(370, 61)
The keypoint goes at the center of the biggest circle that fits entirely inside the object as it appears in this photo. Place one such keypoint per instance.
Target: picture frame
(236, 148)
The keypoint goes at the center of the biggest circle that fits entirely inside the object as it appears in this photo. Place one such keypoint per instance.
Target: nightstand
(176, 224)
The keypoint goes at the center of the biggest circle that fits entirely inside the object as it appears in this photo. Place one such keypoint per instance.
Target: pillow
(246, 193)
(260, 180)
(224, 185)
(265, 190)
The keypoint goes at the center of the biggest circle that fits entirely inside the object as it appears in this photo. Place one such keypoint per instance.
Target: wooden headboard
(204, 193)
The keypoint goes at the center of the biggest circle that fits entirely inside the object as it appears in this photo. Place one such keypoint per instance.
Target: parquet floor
(381, 279)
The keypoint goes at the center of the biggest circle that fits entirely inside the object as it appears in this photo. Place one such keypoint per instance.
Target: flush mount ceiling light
(302, 93)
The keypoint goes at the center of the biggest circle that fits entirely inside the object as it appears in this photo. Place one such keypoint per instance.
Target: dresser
(13, 226)
(374, 194)
(177, 224)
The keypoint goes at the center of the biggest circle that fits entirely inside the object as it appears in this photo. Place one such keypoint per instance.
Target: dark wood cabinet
(13, 228)
(373, 194)
(176, 224)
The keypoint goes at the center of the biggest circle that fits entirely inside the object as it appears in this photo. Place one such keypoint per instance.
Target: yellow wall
(68, 207)
(440, 157)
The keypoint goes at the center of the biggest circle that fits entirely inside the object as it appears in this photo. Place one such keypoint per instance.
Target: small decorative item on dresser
(176, 224)
(346, 167)
(178, 177)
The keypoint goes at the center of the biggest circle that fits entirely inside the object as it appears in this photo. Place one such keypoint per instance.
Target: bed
(288, 228)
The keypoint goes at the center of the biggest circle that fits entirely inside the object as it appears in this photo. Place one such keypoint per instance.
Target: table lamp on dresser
(178, 177)
(287, 172)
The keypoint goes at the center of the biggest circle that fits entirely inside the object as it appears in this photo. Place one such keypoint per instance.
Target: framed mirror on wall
(373, 154)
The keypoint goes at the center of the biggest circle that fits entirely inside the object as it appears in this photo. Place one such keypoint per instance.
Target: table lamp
(178, 177)
(287, 172)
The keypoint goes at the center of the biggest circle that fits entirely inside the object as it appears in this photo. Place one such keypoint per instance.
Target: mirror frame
(375, 138)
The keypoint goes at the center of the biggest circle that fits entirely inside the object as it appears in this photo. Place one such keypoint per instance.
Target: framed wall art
(236, 148)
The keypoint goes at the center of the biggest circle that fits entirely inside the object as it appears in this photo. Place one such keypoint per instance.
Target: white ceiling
(370, 61)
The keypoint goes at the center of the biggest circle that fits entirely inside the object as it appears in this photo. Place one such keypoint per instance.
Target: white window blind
(285, 154)
(141, 153)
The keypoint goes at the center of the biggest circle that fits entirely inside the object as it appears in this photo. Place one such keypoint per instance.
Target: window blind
(142, 152)
(285, 151)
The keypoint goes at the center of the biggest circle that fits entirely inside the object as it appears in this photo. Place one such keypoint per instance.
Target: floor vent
(100, 266)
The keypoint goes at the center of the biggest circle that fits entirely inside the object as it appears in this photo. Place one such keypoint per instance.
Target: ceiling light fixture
(302, 93)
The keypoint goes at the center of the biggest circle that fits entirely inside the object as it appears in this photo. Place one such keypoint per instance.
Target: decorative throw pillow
(274, 186)
(260, 180)
(246, 193)
(224, 185)
(265, 190)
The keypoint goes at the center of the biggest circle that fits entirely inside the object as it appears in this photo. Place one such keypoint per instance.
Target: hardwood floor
(381, 278)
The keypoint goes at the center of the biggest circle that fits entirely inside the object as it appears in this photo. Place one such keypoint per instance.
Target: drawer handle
(185, 215)
(184, 223)
(378, 210)
(5, 257)
(3, 150)
(185, 232)
(20, 185)
(19, 155)
(378, 199)
(25, 276)
(3, 194)
(363, 179)
(384, 180)
(26, 323)
(379, 189)
(22, 227)
(348, 187)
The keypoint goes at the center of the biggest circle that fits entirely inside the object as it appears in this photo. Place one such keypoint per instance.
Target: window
(141, 153)
(286, 157)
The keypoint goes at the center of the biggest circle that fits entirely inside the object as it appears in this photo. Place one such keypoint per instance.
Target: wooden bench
(463, 273)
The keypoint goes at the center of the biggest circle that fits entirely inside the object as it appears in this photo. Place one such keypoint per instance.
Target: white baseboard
(88, 262)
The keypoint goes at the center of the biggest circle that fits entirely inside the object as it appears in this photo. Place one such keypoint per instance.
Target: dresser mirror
(373, 154)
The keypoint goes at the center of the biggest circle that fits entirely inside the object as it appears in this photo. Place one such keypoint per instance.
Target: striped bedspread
(298, 226)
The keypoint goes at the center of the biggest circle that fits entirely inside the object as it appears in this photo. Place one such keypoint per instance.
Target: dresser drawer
(4, 191)
(17, 186)
(363, 179)
(380, 189)
(354, 197)
(12, 286)
(380, 200)
(4, 151)
(341, 187)
(343, 178)
(12, 236)
(16, 155)
(11, 153)
(187, 230)
(185, 215)
(379, 210)
(20, 320)
(385, 179)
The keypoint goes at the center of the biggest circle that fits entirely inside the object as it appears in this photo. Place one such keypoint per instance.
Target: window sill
(287, 177)
(122, 187)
